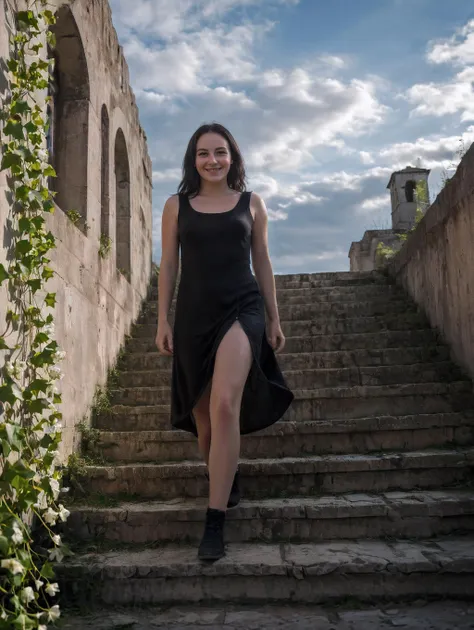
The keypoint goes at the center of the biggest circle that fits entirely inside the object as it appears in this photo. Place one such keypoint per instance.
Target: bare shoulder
(257, 205)
(171, 206)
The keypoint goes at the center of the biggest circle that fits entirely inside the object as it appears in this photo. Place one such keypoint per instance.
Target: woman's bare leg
(202, 417)
(232, 365)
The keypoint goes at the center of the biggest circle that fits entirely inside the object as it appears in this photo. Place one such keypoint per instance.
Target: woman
(225, 379)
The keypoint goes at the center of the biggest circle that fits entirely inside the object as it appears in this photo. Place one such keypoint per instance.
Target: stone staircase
(363, 490)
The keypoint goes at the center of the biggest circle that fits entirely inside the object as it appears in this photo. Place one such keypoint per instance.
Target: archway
(122, 205)
(70, 117)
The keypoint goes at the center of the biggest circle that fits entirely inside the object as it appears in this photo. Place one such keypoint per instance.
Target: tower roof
(408, 169)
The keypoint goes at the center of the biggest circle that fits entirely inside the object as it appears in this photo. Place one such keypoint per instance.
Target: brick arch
(122, 204)
(71, 116)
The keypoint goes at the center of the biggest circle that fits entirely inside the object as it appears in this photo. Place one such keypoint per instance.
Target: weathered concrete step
(296, 439)
(329, 325)
(421, 615)
(309, 295)
(313, 379)
(416, 514)
(351, 325)
(253, 572)
(142, 362)
(318, 343)
(299, 312)
(311, 280)
(325, 404)
(291, 476)
(301, 378)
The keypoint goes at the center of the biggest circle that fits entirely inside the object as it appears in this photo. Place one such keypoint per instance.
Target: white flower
(42, 627)
(60, 355)
(55, 372)
(56, 539)
(49, 328)
(42, 502)
(3, 615)
(17, 536)
(55, 488)
(53, 613)
(27, 595)
(50, 516)
(13, 565)
(56, 554)
(52, 589)
(38, 584)
(63, 513)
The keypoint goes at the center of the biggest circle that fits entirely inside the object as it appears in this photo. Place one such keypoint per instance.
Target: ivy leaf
(3, 546)
(49, 171)
(34, 284)
(50, 300)
(3, 344)
(20, 107)
(38, 385)
(47, 571)
(10, 393)
(14, 129)
(4, 275)
(23, 246)
(10, 159)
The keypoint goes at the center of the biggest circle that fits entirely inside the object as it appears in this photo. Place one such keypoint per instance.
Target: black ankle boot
(234, 497)
(212, 543)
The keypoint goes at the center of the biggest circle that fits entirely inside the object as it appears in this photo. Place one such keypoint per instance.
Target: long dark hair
(191, 182)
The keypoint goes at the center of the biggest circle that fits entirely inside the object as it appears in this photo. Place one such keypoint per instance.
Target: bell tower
(402, 186)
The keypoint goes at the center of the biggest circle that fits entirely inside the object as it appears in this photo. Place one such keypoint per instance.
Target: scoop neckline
(212, 213)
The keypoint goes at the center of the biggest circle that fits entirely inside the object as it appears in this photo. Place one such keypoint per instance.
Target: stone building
(402, 186)
(99, 151)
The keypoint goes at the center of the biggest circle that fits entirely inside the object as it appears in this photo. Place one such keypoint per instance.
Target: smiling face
(213, 157)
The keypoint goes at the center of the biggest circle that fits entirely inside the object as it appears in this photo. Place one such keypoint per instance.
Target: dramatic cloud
(319, 131)
(457, 94)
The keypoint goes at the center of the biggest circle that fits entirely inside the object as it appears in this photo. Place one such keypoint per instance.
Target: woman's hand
(164, 338)
(275, 335)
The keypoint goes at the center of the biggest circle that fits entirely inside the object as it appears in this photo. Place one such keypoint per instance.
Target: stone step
(318, 343)
(295, 476)
(319, 572)
(317, 280)
(329, 325)
(296, 439)
(416, 514)
(327, 377)
(309, 295)
(298, 312)
(138, 363)
(324, 404)
(310, 380)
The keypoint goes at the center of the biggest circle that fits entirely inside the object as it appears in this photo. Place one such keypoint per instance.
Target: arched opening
(410, 188)
(104, 174)
(69, 117)
(122, 205)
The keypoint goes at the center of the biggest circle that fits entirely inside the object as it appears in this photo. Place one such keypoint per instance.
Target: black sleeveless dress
(217, 288)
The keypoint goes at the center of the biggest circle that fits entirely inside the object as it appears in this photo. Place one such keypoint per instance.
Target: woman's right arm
(168, 272)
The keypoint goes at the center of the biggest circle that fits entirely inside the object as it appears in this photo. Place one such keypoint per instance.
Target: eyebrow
(217, 149)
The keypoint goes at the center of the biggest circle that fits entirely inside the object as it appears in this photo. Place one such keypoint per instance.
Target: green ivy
(30, 428)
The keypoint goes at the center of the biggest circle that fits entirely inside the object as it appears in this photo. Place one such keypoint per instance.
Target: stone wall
(100, 153)
(436, 264)
(363, 253)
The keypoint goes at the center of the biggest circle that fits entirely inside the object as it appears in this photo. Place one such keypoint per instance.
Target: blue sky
(326, 100)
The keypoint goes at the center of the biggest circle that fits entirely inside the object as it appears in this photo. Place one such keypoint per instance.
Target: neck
(219, 189)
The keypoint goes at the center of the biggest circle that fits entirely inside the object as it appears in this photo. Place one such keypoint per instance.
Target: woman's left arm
(264, 273)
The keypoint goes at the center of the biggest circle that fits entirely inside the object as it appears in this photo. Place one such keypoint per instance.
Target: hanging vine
(30, 428)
